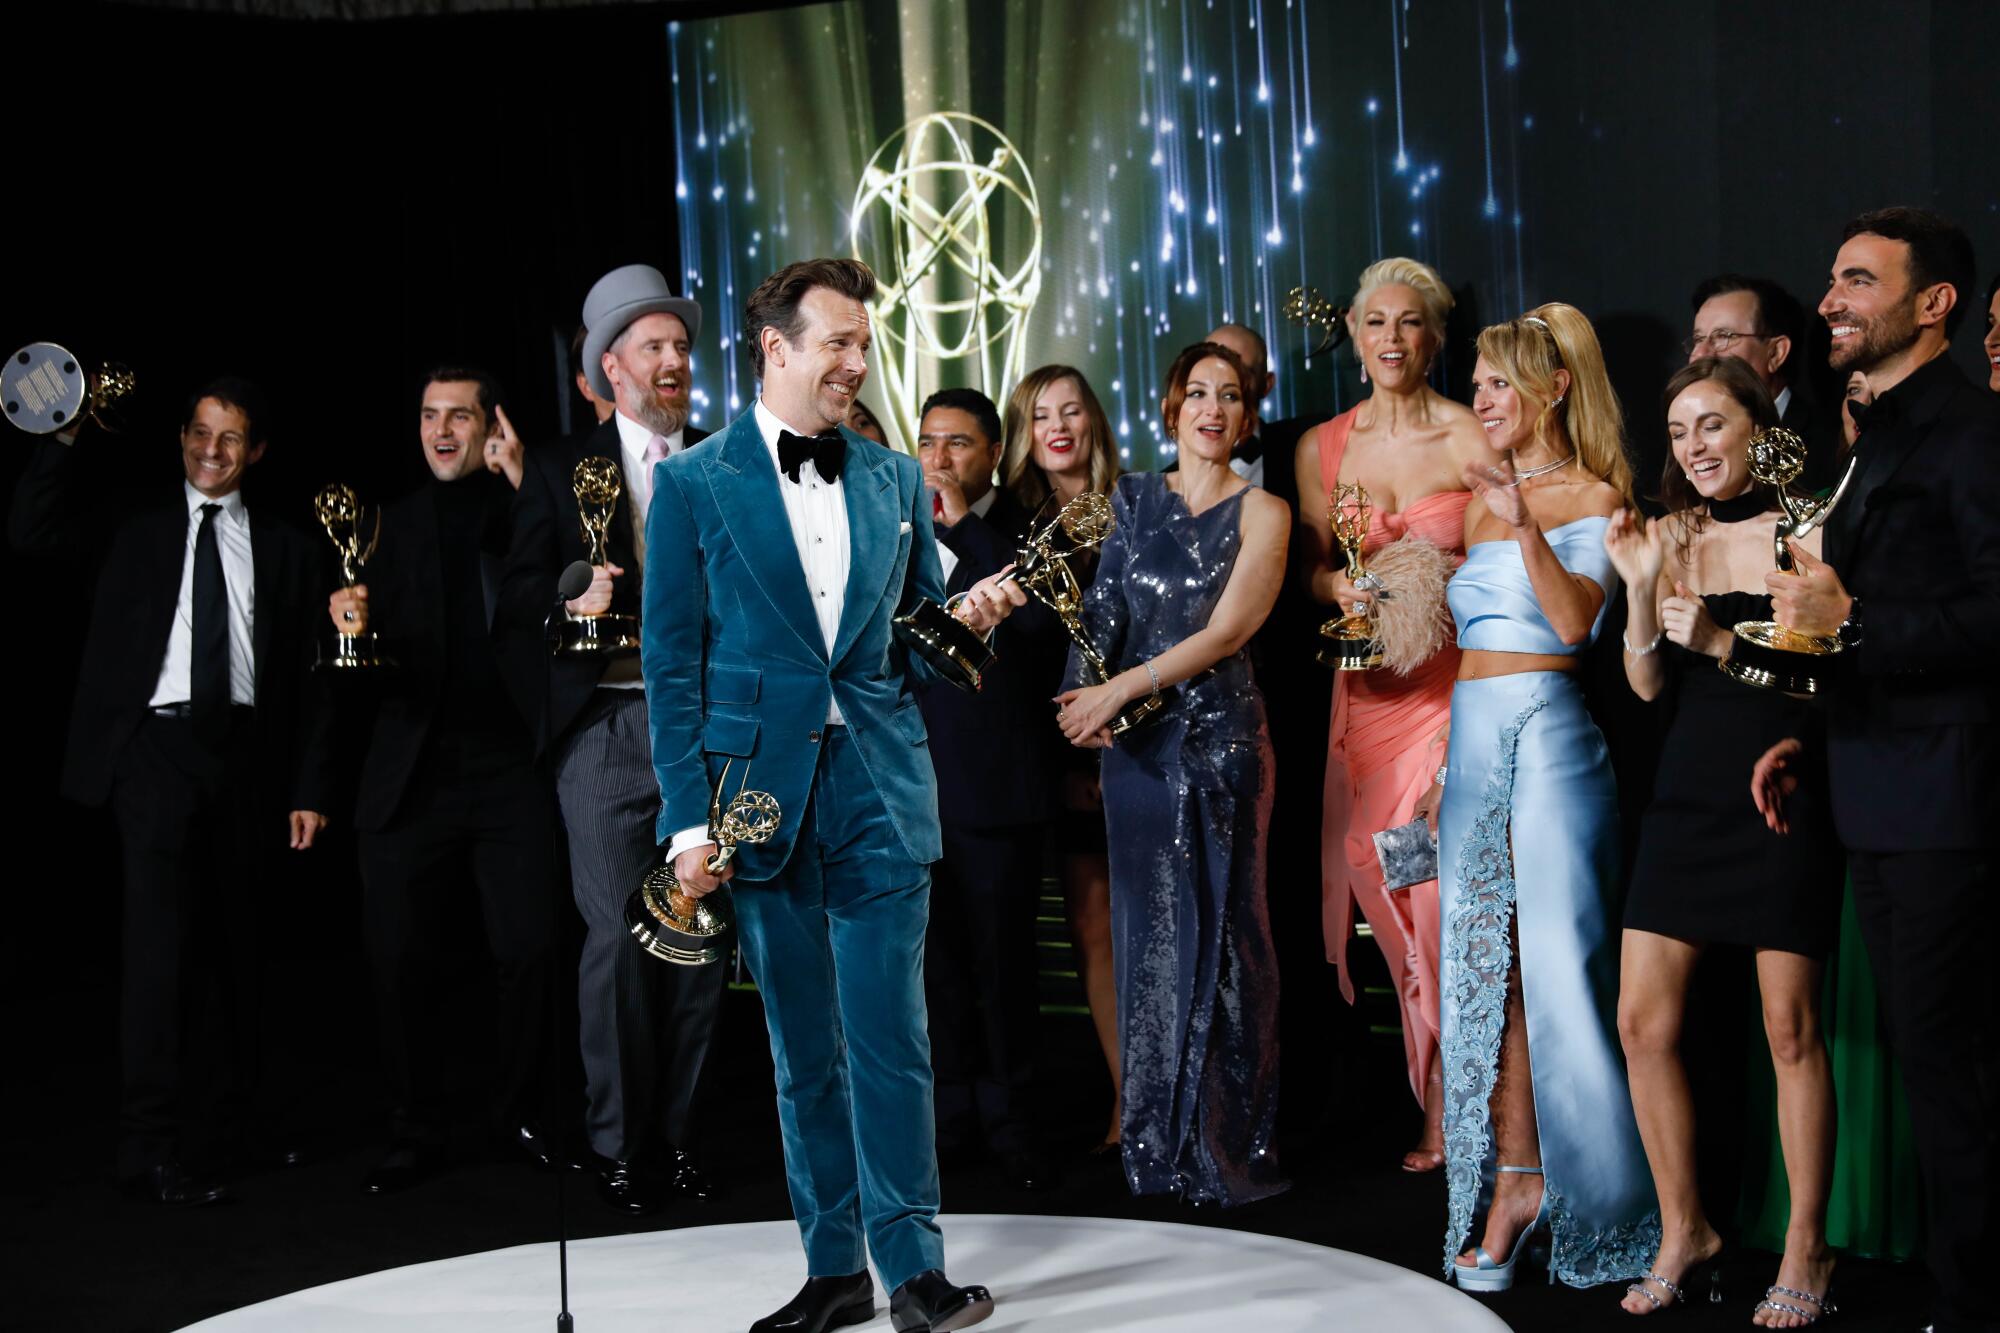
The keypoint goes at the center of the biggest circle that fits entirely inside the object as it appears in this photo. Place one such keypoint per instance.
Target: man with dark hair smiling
(1909, 581)
(990, 749)
(778, 553)
(448, 794)
(196, 721)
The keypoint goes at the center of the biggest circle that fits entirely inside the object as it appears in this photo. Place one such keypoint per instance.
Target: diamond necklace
(1544, 469)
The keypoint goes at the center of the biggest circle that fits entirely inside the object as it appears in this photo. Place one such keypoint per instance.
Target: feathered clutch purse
(1408, 614)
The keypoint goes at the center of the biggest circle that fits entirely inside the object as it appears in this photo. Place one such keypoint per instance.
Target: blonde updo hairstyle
(1420, 278)
(1586, 420)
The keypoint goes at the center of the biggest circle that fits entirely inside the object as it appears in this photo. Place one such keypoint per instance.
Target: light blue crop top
(1494, 606)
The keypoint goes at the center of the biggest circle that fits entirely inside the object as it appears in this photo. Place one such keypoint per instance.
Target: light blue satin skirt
(1528, 837)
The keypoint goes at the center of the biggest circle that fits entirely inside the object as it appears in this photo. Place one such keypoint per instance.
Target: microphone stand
(564, 1323)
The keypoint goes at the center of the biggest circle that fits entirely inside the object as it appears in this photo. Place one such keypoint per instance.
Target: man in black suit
(991, 751)
(195, 720)
(1762, 325)
(1910, 582)
(449, 799)
(645, 1025)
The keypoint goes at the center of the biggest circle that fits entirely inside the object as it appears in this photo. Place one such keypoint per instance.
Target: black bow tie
(1249, 449)
(827, 453)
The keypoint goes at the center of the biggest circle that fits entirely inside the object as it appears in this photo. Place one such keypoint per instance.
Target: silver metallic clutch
(1408, 854)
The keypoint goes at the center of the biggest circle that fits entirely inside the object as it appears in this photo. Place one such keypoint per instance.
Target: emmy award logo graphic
(933, 207)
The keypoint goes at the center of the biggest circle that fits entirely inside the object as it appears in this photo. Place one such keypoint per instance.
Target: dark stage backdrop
(332, 206)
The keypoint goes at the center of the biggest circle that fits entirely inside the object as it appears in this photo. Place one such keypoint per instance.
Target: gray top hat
(618, 298)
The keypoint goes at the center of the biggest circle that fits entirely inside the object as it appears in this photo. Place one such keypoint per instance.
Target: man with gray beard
(645, 1027)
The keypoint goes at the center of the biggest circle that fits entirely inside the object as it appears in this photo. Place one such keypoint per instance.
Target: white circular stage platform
(1048, 1275)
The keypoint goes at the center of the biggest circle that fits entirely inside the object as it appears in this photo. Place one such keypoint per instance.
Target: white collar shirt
(982, 507)
(633, 441)
(1251, 470)
(1784, 401)
(816, 512)
(232, 533)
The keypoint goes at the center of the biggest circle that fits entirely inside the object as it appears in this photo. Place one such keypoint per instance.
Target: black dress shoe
(822, 1303)
(686, 1178)
(174, 1185)
(1031, 1173)
(928, 1303)
(529, 1142)
(624, 1187)
(403, 1166)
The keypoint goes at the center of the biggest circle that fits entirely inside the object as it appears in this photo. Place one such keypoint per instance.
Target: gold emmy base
(1769, 656)
(1348, 644)
(947, 643)
(674, 927)
(354, 652)
(1137, 713)
(601, 636)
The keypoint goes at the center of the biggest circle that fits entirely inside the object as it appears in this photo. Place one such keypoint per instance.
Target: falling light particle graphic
(1274, 237)
(1373, 106)
(680, 189)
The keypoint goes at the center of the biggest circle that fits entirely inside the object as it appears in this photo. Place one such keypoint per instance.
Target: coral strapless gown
(1385, 743)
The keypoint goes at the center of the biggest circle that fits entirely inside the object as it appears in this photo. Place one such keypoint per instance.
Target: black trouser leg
(513, 867)
(413, 876)
(184, 821)
(1925, 917)
(979, 964)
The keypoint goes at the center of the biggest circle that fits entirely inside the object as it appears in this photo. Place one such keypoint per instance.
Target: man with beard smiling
(447, 791)
(779, 554)
(645, 1027)
(1910, 583)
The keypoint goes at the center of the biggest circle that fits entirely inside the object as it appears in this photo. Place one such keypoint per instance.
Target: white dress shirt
(633, 441)
(1251, 471)
(816, 510)
(232, 534)
(982, 507)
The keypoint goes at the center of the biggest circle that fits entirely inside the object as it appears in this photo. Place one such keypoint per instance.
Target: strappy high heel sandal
(1708, 1271)
(1487, 1276)
(1822, 1306)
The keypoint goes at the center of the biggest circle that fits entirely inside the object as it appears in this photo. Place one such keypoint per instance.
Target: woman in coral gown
(1406, 444)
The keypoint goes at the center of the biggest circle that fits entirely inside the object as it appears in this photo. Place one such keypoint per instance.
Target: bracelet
(1642, 652)
(1153, 676)
(1442, 770)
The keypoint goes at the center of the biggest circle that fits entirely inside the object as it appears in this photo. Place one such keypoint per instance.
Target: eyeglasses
(1717, 342)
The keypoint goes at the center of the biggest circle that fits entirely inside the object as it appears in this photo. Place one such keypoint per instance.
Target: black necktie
(827, 452)
(208, 670)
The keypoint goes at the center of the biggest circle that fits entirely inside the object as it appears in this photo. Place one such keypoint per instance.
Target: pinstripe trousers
(646, 1025)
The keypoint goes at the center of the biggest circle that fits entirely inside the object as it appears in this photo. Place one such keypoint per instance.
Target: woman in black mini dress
(1709, 869)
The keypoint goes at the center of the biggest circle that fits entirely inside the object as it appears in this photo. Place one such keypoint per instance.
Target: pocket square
(905, 528)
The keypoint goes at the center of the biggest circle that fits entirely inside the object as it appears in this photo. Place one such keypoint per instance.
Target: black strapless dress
(1709, 870)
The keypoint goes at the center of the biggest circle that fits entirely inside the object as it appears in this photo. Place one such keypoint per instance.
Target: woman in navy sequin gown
(1190, 571)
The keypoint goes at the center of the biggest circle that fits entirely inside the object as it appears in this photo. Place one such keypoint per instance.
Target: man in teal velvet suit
(777, 554)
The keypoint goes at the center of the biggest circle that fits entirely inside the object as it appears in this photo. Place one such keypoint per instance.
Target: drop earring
(1364, 372)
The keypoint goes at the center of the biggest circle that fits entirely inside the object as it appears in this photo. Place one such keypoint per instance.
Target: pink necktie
(656, 449)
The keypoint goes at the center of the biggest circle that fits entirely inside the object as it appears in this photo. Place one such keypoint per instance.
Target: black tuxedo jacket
(1826, 448)
(406, 607)
(993, 750)
(132, 613)
(1912, 743)
(547, 538)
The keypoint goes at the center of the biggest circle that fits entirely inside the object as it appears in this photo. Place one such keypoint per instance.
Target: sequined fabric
(1187, 804)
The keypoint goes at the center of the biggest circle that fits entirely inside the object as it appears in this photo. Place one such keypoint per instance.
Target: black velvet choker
(1754, 501)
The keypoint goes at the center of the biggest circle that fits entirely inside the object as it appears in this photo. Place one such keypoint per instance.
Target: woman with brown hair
(1709, 870)
(1058, 445)
(1536, 1105)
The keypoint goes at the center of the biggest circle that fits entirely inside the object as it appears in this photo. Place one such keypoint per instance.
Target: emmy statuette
(675, 928)
(343, 516)
(1763, 652)
(45, 390)
(598, 484)
(1349, 641)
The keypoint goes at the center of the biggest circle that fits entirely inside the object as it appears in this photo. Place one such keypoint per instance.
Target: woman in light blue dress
(1538, 1123)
